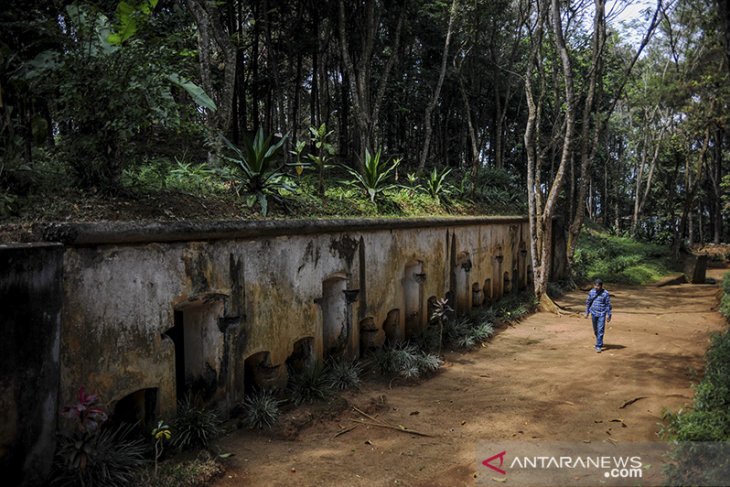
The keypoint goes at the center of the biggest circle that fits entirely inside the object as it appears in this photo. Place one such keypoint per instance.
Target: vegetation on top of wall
(619, 259)
(708, 420)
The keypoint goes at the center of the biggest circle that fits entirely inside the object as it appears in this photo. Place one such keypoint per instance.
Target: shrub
(373, 178)
(344, 374)
(309, 385)
(436, 184)
(405, 360)
(257, 174)
(261, 409)
(195, 426)
(105, 457)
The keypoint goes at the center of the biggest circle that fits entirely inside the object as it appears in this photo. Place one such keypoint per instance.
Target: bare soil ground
(540, 379)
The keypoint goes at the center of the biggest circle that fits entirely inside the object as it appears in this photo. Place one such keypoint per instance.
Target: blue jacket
(598, 304)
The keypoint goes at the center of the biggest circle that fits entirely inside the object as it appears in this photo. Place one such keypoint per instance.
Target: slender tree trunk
(428, 129)
(213, 39)
(600, 120)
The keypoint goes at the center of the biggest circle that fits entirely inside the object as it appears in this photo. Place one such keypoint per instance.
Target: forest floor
(539, 379)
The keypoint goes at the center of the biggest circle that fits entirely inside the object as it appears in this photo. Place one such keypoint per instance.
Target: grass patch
(620, 259)
(198, 472)
(707, 421)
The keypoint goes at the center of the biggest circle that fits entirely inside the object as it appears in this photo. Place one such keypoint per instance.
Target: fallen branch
(367, 415)
(631, 401)
(347, 430)
(402, 429)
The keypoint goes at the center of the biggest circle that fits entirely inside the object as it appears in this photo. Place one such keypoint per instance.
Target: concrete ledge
(671, 280)
(83, 234)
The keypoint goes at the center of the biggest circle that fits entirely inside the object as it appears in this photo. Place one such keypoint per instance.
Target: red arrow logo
(500, 455)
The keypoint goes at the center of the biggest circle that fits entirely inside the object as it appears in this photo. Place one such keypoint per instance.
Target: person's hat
(598, 282)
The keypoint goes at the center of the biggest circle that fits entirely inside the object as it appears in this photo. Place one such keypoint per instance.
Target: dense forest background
(552, 108)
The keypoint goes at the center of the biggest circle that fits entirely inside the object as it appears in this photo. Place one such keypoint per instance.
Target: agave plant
(436, 184)
(258, 174)
(373, 178)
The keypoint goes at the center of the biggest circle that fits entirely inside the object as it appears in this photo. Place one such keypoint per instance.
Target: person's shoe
(598, 349)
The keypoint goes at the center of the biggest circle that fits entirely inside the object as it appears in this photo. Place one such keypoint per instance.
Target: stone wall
(219, 308)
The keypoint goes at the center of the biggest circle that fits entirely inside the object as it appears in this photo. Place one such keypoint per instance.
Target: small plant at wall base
(344, 374)
(406, 361)
(93, 454)
(195, 426)
(161, 435)
(261, 409)
(309, 385)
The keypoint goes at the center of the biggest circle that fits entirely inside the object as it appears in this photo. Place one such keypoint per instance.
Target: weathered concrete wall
(236, 296)
(31, 283)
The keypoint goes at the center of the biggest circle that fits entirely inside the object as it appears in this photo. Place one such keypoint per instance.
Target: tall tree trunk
(600, 120)
(428, 129)
(214, 40)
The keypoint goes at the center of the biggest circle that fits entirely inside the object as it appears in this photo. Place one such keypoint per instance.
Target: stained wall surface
(130, 295)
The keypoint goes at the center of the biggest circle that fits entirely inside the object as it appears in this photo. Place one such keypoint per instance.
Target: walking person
(598, 305)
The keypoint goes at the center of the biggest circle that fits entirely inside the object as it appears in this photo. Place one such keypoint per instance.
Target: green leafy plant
(104, 458)
(91, 453)
(373, 179)
(441, 313)
(344, 374)
(161, 435)
(309, 385)
(258, 174)
(405, 360)
(261, 409)
(324, 151)
(195, 426)
(436, 184)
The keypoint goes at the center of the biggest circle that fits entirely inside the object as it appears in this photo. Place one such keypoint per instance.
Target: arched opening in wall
(506, 284)
(261, 375)
(516, 280)
(302, 355)
(487, 292)
(530, 277)
(391, 327)
(334, 315)
(138, 408)
(413, 278)
(477, 296)
(198, 344)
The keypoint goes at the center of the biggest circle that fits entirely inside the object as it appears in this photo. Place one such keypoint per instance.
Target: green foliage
(619, 259)
(436, 184)
(324, 151)
(502, 190)
(195, 426)
(467, 332)
(373, 178)
(258, 175)
(406, 361)
(344, 374)
(112, 91)
(106, 457)
(261, 409)
(709, 419)
(311, 384)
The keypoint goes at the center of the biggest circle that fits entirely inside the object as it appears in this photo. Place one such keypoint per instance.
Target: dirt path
(538, 379)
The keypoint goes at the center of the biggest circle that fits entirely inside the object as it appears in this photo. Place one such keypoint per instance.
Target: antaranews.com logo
(597, 463)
